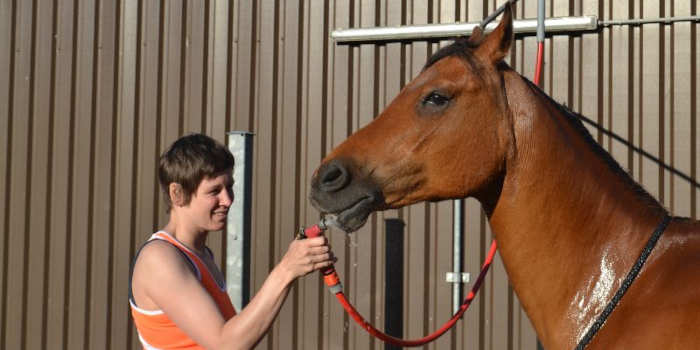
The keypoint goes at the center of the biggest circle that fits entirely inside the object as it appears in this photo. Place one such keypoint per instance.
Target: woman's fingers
(322, 257)
(322, 264)
(319, 250)
(316, 241)
(310, 254)
(317, 258)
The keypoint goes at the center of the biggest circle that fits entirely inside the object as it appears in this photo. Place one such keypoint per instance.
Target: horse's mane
(574, 120)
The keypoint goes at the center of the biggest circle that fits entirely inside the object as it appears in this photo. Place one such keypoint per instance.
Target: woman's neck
(192, 238)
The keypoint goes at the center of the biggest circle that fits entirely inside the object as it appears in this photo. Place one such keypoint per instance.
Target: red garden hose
(538, 67)
(331, 279)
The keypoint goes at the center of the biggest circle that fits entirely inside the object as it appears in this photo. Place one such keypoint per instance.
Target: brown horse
(569, 222)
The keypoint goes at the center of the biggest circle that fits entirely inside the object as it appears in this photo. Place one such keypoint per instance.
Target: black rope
(495, 14)
(595, 327)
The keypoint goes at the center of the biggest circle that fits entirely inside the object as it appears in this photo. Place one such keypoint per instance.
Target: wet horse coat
(569, 222)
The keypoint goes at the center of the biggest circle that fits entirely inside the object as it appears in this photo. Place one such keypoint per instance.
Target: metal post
(540, 20)
(238, 222)
(457, 254)
(456, 276)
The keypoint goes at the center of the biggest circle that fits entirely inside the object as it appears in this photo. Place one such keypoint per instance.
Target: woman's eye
(436, 99)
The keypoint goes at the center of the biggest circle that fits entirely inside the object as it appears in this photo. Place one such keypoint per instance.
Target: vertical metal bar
(239, 218)
(540, 20)
(457, 255)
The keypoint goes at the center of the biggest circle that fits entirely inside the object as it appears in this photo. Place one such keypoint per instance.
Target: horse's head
(445, 135)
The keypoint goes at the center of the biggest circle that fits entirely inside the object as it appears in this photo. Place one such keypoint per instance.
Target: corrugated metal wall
(92, 91)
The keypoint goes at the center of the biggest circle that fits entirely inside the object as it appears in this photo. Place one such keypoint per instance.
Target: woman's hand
(307, 255)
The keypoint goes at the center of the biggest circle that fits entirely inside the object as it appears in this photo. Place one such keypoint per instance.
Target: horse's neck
(568, 225)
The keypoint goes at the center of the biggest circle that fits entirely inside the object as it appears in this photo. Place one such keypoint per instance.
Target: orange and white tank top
(156, 331)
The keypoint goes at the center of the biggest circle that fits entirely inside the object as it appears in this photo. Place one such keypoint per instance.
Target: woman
(177, 295)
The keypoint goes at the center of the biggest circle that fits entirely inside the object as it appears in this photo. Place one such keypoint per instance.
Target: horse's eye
(436, 99)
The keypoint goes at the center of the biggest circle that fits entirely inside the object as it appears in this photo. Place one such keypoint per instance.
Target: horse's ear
(496, 44)
(477, 35)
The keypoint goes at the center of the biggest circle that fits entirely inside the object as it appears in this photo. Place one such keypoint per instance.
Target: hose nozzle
(330, 277)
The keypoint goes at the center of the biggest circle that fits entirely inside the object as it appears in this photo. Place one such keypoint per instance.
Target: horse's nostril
(333, 177)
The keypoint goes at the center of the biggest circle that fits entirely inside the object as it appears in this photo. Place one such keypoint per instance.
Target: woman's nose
(226, 198)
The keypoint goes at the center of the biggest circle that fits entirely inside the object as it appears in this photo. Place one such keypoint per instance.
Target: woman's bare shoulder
(161, 256)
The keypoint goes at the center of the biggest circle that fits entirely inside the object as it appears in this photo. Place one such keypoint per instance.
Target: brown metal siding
(91, 92)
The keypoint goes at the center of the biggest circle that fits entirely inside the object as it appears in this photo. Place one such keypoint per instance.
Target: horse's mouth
(352, 218)
(348, 218)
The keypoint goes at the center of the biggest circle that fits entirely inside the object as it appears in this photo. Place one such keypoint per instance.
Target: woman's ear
(177, 196)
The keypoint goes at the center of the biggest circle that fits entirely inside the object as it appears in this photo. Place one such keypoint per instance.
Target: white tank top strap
(162, 235)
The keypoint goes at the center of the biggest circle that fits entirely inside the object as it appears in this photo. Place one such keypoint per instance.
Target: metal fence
(92, 91)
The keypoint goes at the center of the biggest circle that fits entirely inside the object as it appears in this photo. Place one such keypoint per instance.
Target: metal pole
(540, 20)
(663, 20)
(522, 26)
(428, 31)
(457, 255)
(456, 276)
(239, 218)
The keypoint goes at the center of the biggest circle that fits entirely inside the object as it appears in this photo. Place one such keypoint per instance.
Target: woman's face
(209, 204)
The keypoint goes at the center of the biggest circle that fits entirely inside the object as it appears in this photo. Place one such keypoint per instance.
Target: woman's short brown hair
(189, 160)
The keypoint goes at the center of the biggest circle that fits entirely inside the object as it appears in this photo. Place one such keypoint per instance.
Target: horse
(569, 221)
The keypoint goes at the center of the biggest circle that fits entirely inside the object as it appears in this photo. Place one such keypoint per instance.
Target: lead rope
(631, 276)
(331, 279)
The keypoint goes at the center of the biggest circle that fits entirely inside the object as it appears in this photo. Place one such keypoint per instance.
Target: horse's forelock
(461, 47)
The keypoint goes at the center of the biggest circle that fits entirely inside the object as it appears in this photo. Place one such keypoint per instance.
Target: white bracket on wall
(452, 277)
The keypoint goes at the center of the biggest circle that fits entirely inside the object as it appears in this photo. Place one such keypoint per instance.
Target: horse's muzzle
(337, 189)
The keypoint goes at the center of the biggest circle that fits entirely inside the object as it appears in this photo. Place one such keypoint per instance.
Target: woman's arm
(166, 279)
